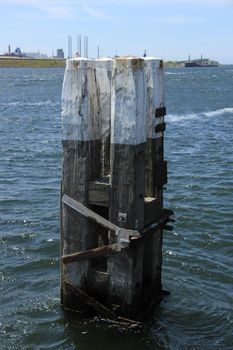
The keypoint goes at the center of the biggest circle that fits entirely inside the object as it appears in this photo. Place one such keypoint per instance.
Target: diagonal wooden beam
(87, 299)
(97, 306)
(123, 235)
(80, 208)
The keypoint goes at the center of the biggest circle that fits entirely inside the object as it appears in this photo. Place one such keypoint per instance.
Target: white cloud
(100, 14)
(67, 9)
(55, 11)
(95, 13)
(50, 8)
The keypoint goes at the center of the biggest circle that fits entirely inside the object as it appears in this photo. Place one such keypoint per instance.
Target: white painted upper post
(90, 98)
(86, 99)
(128, 124)
(154, 94)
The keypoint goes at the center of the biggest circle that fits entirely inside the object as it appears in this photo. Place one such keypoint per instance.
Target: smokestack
(79, 45)
(9, 49)
(85, 46)
(70, 53)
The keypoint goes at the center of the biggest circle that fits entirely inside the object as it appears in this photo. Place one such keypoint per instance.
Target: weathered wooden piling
(113, 174)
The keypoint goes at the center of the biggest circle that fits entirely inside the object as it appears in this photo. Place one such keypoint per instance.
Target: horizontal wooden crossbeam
(89, 254)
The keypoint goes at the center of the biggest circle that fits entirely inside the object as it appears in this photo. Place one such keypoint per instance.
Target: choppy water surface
(198, 267)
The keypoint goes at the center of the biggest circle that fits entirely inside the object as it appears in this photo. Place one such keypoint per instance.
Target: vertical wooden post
(155, 125)
(128, 151)
(86, 126)
(156, 174)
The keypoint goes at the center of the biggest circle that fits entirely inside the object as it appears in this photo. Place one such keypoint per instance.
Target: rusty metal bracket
(160, 112)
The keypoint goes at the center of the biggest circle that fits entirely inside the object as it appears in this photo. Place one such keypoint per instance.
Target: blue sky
(170, 29)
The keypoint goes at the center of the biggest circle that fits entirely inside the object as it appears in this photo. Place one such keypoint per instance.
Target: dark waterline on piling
(198, 255)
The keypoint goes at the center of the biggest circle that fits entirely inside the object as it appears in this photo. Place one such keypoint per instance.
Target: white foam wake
(218, 112)
(23, 103)
(174, 73)
(177, 118)
(183, 117)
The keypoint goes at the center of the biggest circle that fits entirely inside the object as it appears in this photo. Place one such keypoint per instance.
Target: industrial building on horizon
(60, 54)
(37, 55)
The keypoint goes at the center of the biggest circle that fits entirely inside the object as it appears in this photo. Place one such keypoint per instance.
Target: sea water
(197, 255)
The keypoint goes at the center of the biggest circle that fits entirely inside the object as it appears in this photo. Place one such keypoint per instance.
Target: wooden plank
(90, 254)
(152, 234)
(126, 206)
(98, 193)
(85, 118)
(127, 172)
(76, 232)
(88, 213)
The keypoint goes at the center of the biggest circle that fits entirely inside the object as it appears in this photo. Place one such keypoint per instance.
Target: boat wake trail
(176, 118)
(218, 112)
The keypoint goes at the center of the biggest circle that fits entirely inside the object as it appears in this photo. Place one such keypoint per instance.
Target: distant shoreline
(9, 62)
